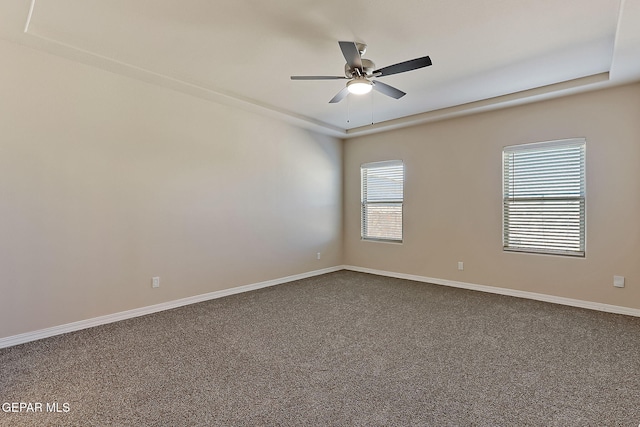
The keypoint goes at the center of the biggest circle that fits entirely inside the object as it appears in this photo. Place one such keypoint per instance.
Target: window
(544, 197)
(382, 197)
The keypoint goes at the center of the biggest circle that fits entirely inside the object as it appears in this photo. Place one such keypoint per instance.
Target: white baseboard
(504, 291)
(136, 312)
(123, 315)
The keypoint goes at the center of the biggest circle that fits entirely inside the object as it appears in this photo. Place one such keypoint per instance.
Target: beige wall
(106, 181)
(452, 209)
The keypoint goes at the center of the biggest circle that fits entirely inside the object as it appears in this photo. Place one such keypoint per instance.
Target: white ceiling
(485, 54)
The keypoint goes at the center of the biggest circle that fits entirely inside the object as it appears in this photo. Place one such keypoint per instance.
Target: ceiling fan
(360, 72)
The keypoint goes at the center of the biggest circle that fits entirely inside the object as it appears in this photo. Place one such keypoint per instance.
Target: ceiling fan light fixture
(359, 86)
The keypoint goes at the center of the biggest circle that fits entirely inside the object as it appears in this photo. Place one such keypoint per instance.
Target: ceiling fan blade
(351, 54)
(317, 78)
(388, 90)
(402, 67)
(339, 96)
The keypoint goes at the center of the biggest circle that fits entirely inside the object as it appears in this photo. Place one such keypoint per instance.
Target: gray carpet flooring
(342, 349)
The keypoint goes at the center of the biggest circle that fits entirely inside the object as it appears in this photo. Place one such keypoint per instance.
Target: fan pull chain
(371, 107)
(348, 108)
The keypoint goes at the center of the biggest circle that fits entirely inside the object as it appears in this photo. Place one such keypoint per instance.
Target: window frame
(364, 234)
(541, 147)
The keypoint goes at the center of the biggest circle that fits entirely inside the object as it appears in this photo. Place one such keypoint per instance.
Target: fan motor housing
(367, 69)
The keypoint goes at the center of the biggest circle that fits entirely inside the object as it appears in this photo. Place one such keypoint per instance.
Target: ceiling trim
(226, 98)
(583, 84)
(32, 39)
(74, 53)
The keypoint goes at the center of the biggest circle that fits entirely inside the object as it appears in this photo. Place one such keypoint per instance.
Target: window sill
(391, 242)
(533, 252)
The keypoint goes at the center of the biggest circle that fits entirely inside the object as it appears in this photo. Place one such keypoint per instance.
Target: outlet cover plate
(618, 281)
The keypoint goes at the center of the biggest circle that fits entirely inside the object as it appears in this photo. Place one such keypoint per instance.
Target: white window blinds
(382, 198)
(544, 197)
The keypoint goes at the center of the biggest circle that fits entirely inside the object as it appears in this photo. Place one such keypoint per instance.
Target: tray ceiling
(485, 53)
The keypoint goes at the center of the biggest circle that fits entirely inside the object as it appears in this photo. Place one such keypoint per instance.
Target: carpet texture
(342, 349)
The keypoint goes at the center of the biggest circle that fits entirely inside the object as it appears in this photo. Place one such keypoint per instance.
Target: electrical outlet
(618, 281)
(460, 265)
(155, 282)
(318, 256)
